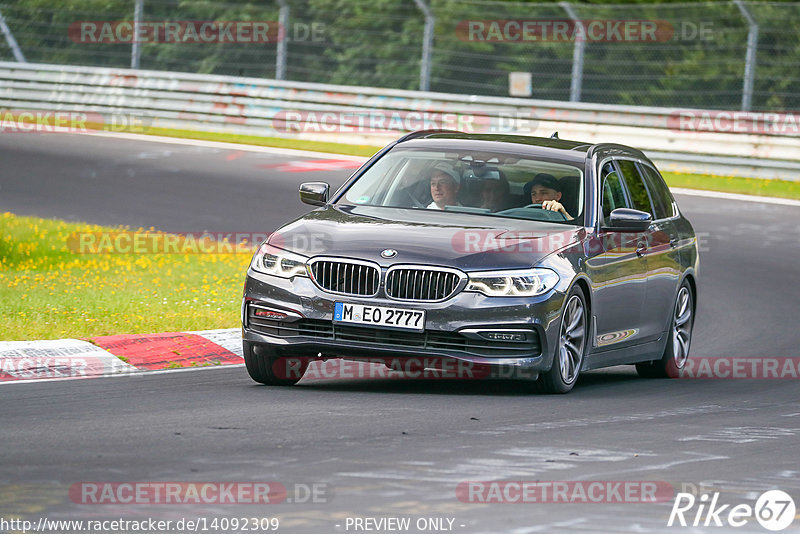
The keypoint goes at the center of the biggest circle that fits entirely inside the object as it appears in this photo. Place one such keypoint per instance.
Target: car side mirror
(628, 220)
(314, 193)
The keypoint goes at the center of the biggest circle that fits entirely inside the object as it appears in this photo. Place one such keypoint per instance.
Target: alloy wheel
(571, 342)
(682, 328)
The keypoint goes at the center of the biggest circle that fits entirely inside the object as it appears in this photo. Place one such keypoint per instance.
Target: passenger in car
(494, 193)
(445, 183)
(544, 189)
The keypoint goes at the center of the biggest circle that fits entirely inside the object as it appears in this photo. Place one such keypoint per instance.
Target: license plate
(379, 316)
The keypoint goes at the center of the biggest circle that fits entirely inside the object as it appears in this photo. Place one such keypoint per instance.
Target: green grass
(278, 142)
(735, 184)
(728, 184)
(48, 291)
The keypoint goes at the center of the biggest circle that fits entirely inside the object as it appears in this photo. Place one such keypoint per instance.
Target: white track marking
(58, 359)
(227, 338)
(227, 146)
(735, 196)
(138, 373)
(70, 359)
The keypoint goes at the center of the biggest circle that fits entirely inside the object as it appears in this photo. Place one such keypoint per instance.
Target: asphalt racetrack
(384, 448)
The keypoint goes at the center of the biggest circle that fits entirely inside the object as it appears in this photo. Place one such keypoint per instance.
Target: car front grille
(409, 283)
(346, 277)
(396, 339)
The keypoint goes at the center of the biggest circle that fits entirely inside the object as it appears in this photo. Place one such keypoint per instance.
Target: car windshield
(494, 184)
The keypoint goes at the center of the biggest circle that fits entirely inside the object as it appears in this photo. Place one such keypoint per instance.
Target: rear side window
(659, 192)
(636, 188)
(613, 194)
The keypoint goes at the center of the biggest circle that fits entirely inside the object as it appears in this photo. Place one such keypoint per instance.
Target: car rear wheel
(266, 367)
(676, 353)
(571, 347)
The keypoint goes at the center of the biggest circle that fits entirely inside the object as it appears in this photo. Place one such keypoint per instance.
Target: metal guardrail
(363, 115)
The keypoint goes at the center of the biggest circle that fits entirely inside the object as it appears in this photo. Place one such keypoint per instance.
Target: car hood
(464, 241)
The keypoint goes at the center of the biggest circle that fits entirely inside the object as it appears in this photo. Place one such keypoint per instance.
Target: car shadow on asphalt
(590, 381)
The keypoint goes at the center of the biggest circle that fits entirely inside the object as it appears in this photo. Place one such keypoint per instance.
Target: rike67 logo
(774, 510)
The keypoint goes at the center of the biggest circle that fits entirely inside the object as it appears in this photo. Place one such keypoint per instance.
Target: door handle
(641, 248)
(673, 241)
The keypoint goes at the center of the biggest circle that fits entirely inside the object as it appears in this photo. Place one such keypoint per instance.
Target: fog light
(504, 336)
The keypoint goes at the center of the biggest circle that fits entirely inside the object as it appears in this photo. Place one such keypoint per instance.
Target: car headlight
(517, 283)
(278, 262)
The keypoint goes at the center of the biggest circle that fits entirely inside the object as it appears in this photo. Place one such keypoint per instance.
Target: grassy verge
(49, 291)
(735, 184)
(727, 184)
(278, 142)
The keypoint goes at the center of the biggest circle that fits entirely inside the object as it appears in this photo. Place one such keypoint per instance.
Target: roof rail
(600, 146)
(421, 133)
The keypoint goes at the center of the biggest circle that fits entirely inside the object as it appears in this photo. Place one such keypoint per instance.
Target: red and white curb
(117, 355)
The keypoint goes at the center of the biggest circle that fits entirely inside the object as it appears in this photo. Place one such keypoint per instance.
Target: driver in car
(544, 189)
(445, 184)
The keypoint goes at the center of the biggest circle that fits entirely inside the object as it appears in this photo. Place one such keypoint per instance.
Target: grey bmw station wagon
(522, 257)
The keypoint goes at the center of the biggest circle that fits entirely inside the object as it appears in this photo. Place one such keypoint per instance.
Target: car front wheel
(266, 367)
(571, 347)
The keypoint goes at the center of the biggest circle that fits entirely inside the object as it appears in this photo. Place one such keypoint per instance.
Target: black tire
(679, 340)
(262, 367)
(570, 351)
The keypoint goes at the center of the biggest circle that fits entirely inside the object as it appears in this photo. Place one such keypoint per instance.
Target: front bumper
(449, 329)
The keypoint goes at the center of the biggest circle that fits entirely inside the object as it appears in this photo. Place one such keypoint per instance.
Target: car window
(613, 194)
(659, 192)
(495, 184)
(638, 192)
